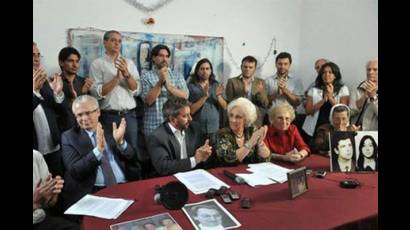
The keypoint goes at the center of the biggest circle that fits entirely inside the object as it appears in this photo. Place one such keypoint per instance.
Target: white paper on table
(199, 181)
(254, 179)
(270, 170)
(102, 207)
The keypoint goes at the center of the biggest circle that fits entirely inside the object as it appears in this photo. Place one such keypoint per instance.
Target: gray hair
(247, 108)
(205, 206)
(338, 108)
(108, 33)
(83, 99)
(321, 59)
(280, 104)
(371, 61)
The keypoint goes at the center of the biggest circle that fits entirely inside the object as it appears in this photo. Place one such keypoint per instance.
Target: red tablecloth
(325, 205)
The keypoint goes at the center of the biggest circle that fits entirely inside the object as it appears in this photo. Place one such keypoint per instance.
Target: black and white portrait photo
(210, 215)
(343, 152)
(367, 150)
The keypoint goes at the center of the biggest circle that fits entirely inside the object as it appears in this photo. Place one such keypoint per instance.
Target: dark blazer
(81, 164)
(78, 83)
(165, 150)
(55, 112)
(236, 88)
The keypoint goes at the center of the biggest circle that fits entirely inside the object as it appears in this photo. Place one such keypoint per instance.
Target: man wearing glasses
(49, 104)
(93, 158)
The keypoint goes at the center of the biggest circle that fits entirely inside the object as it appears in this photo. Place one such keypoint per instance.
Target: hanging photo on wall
(342, 151)
(367, 151)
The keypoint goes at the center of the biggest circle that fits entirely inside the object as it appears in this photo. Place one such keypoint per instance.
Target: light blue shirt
(119, 175)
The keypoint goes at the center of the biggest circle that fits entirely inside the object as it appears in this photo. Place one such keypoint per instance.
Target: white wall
(344, 31)
(348, 35)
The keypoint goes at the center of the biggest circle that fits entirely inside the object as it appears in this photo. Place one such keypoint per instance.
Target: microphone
(233, 177)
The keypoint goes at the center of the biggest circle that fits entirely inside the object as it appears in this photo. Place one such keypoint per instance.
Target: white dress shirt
(103, 70)
(180, 136)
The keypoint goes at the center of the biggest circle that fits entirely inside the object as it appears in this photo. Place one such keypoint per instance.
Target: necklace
(238, 136)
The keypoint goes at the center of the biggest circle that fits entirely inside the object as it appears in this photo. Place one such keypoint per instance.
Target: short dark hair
(206, 206)
(66, 52)
(159, 47)
(249, 59)
(108, 33)
(284, 55)
(173, 105)
(335, 139)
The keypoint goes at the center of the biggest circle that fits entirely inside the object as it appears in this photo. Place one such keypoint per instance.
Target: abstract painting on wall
(186, 50)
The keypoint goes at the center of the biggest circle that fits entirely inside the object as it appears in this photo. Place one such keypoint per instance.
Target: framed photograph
(297, 181)
(367, 151)
(160, 221)
(210, 214)
(342, 151)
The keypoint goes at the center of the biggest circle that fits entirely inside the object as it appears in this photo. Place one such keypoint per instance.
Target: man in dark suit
(176, 145)
(93, 159)
(249, 86)
(49, 107)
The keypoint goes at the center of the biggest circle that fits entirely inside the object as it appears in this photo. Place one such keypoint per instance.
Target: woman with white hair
(283, 138)
(339, 121)
(241, 141)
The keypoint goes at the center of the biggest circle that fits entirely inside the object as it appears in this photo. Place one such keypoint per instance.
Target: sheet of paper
(102, 207)
(199, 181)
(254, 179)
(270, 170)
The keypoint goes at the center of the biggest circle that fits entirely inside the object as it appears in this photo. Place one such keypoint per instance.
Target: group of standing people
(87, 130)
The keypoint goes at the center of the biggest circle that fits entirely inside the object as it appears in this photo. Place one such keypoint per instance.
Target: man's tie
(108, 174)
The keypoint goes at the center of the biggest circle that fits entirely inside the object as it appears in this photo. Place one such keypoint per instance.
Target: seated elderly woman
(241, 141)
(339, 121)
(283, 138)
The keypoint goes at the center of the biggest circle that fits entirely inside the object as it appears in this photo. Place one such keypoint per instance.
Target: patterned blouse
(226, 147)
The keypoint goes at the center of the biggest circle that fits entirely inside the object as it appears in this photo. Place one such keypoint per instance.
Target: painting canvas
(367, 150)
(186, 50)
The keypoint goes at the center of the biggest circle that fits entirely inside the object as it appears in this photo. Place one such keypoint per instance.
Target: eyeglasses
(87, 113)
(37, 55)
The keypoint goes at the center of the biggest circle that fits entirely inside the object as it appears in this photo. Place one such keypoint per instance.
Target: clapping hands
(203, 152)
(118, 133)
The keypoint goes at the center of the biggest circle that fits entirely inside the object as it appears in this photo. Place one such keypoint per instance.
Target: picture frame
(159, 221)
(297, 182)
(210, 214)
(342, 147)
